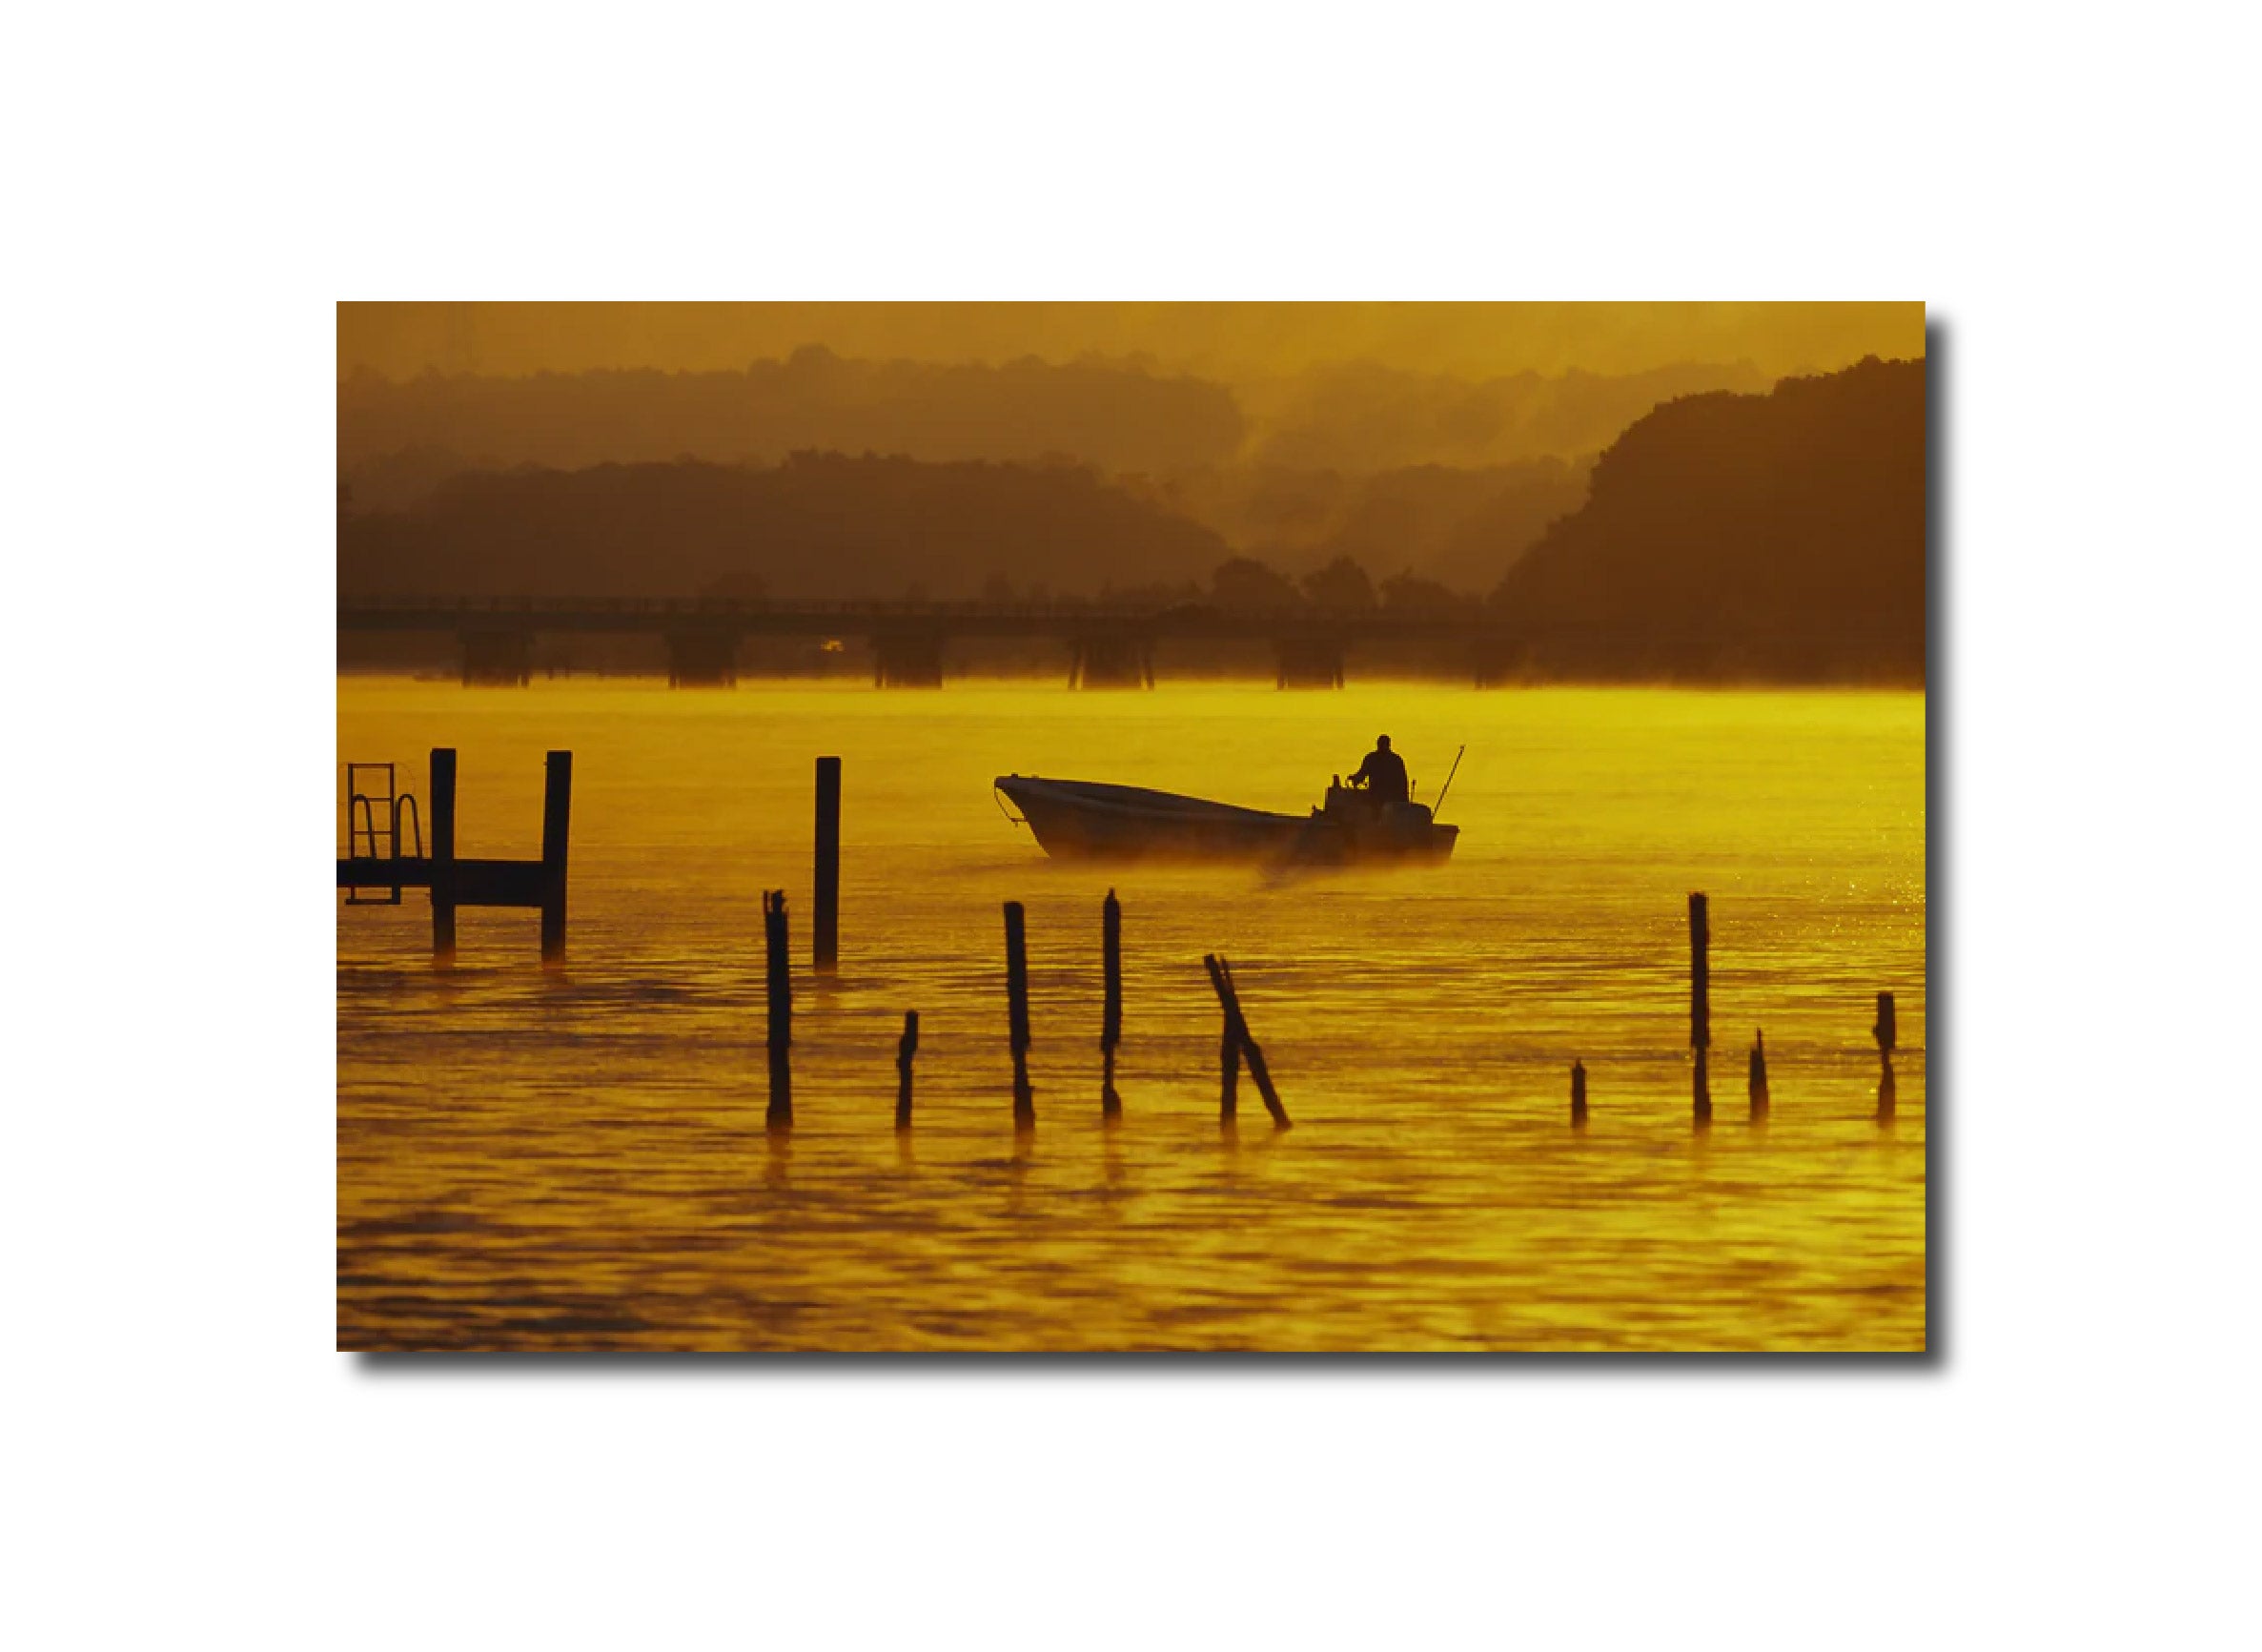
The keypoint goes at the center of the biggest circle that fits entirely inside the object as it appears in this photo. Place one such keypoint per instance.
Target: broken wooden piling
(824, 921)
(1025, 1106)
(906, 1048)
(781, 1007)
(1888, 1039)
(443, 853)
(1701, 1005)
(1758, 1076)
(1578, 1095)
(557, 810)
(1229, 1071)
(1236, 1034)
(1110, 1002)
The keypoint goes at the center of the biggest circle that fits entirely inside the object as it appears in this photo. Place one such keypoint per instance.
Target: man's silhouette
(1383, 773)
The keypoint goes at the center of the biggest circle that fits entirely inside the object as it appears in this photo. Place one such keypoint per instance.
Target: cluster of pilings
(1239, 1046)
(456, 882)
(1701, 1040)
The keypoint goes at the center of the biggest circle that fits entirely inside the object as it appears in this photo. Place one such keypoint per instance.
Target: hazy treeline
(825, 525)
(1779, 535)
(1115, 417)
(1361, 417)
(395, 438)
(818, 526)
(1445, 479)
(1771, 534)
(1459, 526)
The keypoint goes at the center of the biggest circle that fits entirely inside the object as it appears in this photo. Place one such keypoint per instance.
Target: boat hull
(1094, 821)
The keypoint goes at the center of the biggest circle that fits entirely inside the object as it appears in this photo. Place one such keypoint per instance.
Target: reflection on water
(576, 1158)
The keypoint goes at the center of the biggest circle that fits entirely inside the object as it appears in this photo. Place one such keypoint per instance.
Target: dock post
(906, 1048)
(1700, 1003)
(1236, 1030)
(781, 1009)
(1886, 1035)
(557, 810)
(1025, 1106)
(1111, 1003)
(1758, 1076)
(1578, 1095)
(825, 915)
(443, 853)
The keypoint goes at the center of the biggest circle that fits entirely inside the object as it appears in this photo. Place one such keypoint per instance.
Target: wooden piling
(1110, 1002)
(557, 810)
(1229, 1071)
(780, 959)
(1250, 1053)
(1886, 1035)
(1229, 1050)
(1578, 1095)
(1025, 1106)
(443, 852)
(1228, 998)
(1701, 1006)
(824, 923)
(905, 1050)
(1758, 1076)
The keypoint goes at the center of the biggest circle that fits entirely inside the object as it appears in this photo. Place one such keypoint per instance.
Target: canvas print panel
(1104, 827)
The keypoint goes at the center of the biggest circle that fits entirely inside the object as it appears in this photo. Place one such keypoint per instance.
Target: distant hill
(1115, 417)
(819, 525)
(1776, 534)
(1360, 417)
(1428, 476)
(1124, 419)
(1461, 526)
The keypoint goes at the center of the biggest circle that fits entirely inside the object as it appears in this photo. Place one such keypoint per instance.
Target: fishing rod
(1448, 786)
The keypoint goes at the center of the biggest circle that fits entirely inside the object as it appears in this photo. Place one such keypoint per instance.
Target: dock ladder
(374, 807)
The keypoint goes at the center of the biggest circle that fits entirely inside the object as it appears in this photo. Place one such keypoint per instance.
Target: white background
(192, 189)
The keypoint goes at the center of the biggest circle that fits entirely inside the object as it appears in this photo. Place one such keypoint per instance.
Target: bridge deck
(817, 618)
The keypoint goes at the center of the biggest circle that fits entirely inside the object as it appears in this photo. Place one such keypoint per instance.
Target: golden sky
(1228, 341)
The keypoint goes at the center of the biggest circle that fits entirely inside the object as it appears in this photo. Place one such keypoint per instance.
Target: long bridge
(1108, 644)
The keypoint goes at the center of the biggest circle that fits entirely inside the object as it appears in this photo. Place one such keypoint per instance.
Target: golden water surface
(576, 1158)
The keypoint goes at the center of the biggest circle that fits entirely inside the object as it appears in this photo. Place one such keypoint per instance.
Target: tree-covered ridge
(1773, 532)
(818, 526)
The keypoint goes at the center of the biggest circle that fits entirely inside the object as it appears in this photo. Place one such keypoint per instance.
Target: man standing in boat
(1383, 773)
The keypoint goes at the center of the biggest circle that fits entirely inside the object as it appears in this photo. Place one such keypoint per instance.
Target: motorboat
(1089, 820)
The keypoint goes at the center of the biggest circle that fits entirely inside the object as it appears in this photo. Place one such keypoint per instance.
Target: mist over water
(576, 1158)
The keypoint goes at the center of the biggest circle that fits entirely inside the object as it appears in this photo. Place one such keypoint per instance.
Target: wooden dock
(456, 881)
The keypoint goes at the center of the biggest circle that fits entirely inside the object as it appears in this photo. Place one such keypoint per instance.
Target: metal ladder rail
(366, 802)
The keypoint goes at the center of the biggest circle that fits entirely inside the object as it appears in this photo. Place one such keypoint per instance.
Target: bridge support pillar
(1309, 662)
(703, 659)
(498, 658)
(908, 660)
(1111, 660)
